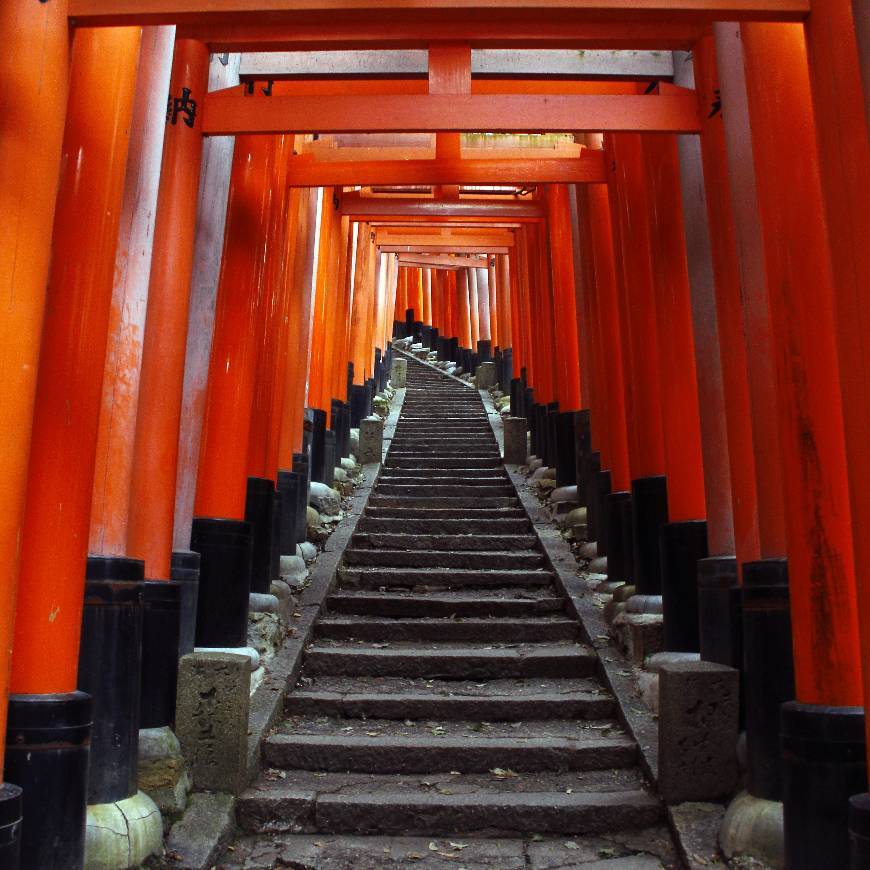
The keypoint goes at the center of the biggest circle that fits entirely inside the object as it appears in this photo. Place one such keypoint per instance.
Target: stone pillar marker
(516, 445)
(212, 718)
(398, 372)
(371, 440)
(698, 727)
(486, 375)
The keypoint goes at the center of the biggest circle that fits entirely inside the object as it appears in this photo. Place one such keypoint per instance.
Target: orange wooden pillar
(812, 442)
(463, 309)
(607, 492)
(473, 309)
(605, 319)
(288, 217)
(223, 462)
(300, 249)
(483, 305)
(729, 315)
(493, 292)
(335, 386)
(217, 159)
(684, 538)
(152, 502)
(505, 302)
(835, 40)
(64, 436)
(639, 332)
(34, 69)
(768, 671)
(564, 302)
(363, 296)
(427, 296)
(113, 472)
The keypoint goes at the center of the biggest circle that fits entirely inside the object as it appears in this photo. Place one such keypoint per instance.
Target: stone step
(458, 503)
(455, 542)
(340, 852)
(440, 804)
(459, 630)
(452, 490)
(443, 462)
(439, 577)
(489, 559)
(479, 603)
(435, 474)
(466, 526)
(465, 515)
(385, 746)
(452, 662)
(434, 700)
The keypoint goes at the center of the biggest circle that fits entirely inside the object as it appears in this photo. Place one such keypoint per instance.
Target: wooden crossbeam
(442, 249)
(524, 113)
(363, 207)
(578, 170)
(196, 13)
(443, 261)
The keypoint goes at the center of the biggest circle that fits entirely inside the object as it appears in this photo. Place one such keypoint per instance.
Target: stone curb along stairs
(445, 693)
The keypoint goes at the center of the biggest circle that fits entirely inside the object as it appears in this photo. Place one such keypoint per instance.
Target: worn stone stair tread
(387, 746)
(391, 473)
(481, 602)
(441, 526)
(328, 807)
(435, 577)
(435, 513)
(465, 661)
(466, 559)
(533, 629)
(455, 541)
(445, 501)
(340, 852)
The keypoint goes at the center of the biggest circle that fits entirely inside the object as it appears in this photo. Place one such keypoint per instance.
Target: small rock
(353, 442)
(349, 465)
(259, 602)
(544, 473)
(312, 518)
(293, 568)
(564, 494)
(324, 499)
(339, 475)
(308, 550)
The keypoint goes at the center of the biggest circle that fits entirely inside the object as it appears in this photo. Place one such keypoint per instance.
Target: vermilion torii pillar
(811, 436)
(214, 186)
(63, 447)
(838, 41)
(34, 70)
(110, 509)
(768, 674)
(684, 538)
(607, 402)
(220, 534)
(152, 503)
(639, 334)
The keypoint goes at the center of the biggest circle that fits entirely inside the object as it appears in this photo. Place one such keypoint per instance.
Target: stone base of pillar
(824, 765)
(47, 752)
(516, 440)
(11, 806)
(753, 828)
(163, 773)
(683, 545)
(859, 832)
(122, 834)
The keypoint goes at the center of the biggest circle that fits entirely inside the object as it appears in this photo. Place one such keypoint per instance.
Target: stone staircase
(447, 715)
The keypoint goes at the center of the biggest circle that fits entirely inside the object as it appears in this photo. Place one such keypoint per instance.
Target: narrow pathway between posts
(447, 716)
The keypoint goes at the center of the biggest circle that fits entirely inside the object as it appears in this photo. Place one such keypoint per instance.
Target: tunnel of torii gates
(671, 270)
